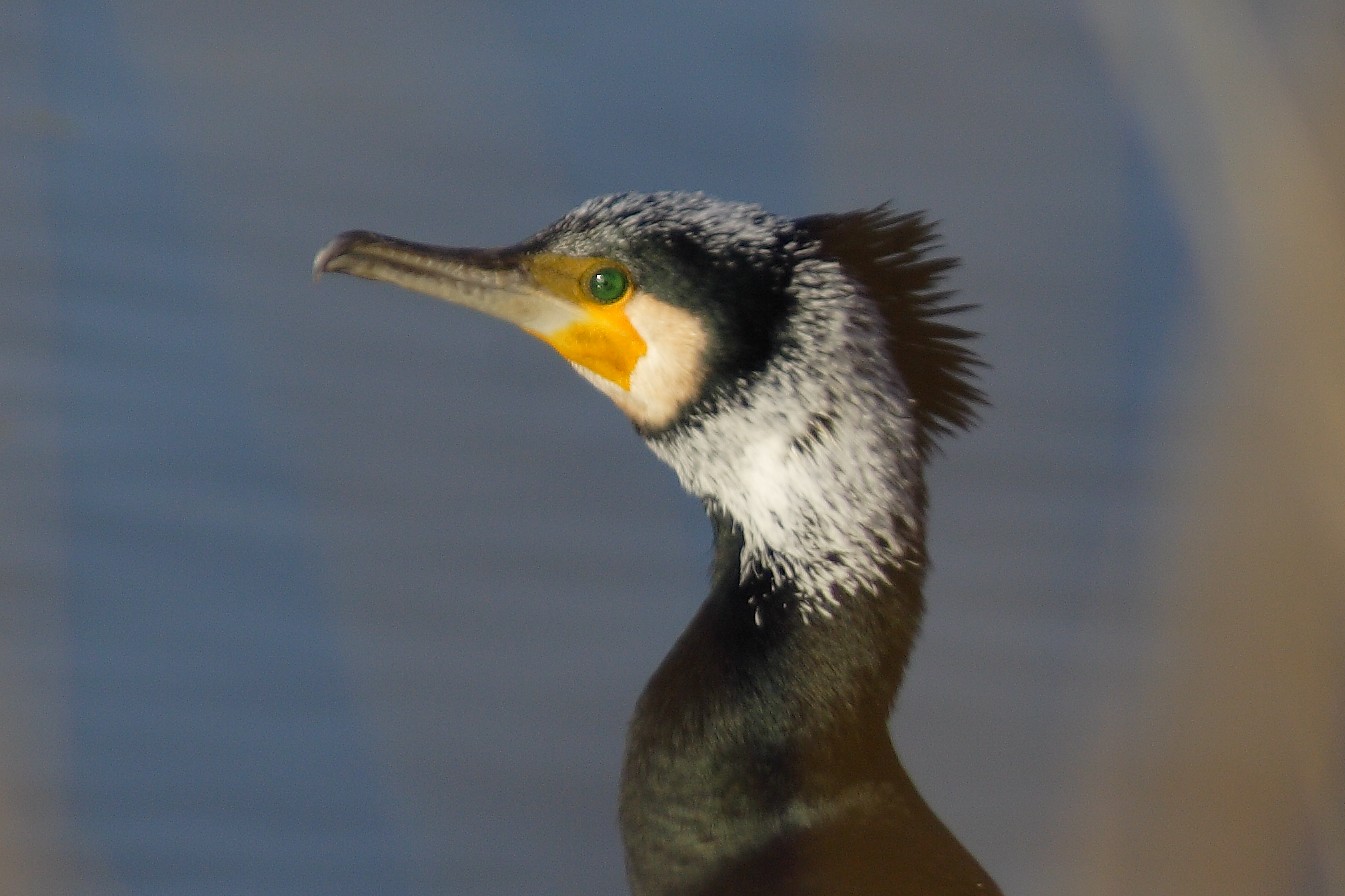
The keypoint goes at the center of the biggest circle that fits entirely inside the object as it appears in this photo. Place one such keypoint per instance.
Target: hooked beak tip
(329, 256)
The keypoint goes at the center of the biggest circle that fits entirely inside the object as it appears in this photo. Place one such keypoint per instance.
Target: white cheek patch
(672, 371)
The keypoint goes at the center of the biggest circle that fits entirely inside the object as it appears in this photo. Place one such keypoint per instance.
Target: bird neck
(816, 456)
(763, 719)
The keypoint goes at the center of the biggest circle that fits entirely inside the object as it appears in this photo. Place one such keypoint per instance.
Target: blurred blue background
(342, 590)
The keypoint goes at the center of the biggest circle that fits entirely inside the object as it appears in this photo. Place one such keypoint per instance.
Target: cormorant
(796, 374)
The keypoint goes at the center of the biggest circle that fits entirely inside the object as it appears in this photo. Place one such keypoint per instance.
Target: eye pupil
(608, 284)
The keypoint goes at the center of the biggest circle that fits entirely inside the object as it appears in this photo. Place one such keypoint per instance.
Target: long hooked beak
(539, 292)
(492, 281)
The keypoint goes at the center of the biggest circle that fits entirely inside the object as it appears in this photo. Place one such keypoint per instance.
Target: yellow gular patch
(602, 341)
(601, 338)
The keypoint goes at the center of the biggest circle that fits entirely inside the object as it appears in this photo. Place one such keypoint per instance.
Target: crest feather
(886, 255)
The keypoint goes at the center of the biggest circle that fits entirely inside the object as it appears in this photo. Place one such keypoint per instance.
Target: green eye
(607, 285)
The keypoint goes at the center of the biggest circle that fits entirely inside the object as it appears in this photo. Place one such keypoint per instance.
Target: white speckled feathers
(814, 457)
(721, 227)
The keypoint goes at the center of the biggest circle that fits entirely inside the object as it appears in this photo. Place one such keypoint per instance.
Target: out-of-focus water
(340, 590)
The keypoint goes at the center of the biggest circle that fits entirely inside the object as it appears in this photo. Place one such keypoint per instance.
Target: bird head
(658, 299)
(649, 297)
(790, 370)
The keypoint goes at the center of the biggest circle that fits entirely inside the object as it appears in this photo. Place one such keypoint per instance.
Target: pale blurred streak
(1221, 769)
